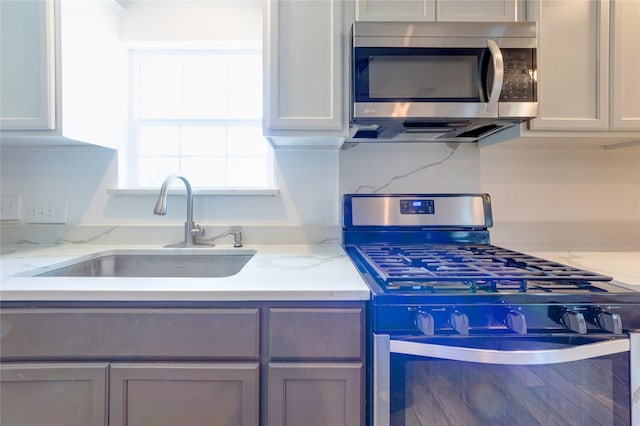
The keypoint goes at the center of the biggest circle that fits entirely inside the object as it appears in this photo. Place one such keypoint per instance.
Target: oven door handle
(511, 357)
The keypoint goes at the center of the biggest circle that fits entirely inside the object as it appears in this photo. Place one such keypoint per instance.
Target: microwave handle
(498, 76)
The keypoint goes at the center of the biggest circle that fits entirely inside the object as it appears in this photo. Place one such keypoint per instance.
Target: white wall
(307, 180)
(549, 196)
(539, 195)
(410, 168)
(191, 20)
(584, 196)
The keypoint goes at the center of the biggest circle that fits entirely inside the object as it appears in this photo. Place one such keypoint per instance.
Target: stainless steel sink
(191, 263)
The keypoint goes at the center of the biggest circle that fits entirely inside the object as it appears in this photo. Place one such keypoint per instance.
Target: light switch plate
(46, 212)
(10, 207)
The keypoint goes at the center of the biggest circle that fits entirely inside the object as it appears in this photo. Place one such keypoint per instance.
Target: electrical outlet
(46, 212)
(10, 207)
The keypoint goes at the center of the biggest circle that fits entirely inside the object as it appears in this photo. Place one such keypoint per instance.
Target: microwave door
(438, 75)
(427, 83)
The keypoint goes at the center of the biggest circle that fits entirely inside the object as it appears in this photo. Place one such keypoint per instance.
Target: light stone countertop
(276, 272)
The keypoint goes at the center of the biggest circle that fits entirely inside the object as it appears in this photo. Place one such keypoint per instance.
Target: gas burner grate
(485, 286)
(431, 266)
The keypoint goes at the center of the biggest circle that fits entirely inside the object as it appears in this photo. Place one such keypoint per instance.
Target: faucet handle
(197, 231)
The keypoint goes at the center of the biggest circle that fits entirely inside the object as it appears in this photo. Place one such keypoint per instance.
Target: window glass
(206, 140)
(198, 114)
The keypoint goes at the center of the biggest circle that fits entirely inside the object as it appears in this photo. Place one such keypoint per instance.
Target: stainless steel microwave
(441, 81)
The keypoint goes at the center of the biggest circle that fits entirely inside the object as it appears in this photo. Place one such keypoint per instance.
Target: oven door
(527, 380)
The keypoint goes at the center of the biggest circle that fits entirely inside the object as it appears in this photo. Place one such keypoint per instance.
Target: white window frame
(137, 123)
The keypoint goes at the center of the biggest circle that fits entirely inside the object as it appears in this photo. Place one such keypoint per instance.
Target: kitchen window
(198, 113)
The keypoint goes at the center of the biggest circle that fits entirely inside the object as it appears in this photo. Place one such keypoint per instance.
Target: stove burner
(433, 272)
(470, 268)
(490, 286)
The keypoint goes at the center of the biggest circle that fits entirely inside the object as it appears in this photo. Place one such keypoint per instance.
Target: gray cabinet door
(38, 394)
(193, 394)
(315, 394)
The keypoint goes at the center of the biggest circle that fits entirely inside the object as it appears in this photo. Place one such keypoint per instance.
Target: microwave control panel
(519, 75)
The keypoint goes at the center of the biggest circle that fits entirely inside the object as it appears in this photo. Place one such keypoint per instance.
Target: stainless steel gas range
(464, 332)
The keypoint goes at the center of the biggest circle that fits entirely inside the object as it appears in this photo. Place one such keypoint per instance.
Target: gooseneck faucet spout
(191, 229)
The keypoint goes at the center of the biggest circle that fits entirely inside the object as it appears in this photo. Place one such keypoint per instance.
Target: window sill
(263, 192)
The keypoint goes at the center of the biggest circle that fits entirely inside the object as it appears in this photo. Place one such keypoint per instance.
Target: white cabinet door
(625, 65)
(474, 10)
(396, 10)
(573, 65)
(304, 73)
(437, 10)
(27, 65)
(64, 73)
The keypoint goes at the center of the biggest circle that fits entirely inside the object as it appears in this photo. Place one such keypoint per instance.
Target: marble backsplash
(543, 196)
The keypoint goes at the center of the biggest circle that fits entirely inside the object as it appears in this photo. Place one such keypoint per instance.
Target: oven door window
(417, 74)
(593, 391)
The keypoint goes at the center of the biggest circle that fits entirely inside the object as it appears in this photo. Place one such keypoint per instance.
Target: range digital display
(417, 207)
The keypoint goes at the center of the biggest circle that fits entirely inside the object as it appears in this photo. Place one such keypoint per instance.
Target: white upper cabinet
(438, 10)
(625, 65)
(390, 10)
(588, 65)
(27, 65)
(64, 73)
(573, 64)
(305, 87)
(477, 10)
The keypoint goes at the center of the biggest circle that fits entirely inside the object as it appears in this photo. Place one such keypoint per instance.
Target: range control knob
(425, 323)
(609, 322)
(459, 322)
(574, 321)
(517, 322)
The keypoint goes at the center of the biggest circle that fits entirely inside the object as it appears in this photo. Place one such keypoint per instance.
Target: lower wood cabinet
(159, 394)
(315, 373)
(136, 394)
(271, 364)
(65, 394)
(315, 394)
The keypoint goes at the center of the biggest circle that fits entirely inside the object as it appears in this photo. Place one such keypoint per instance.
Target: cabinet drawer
(311, 333)
(130, 333)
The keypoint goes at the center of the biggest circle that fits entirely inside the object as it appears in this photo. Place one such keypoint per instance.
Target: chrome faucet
(191, 229)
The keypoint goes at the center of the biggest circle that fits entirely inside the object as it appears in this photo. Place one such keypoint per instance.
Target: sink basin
(184, 263)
